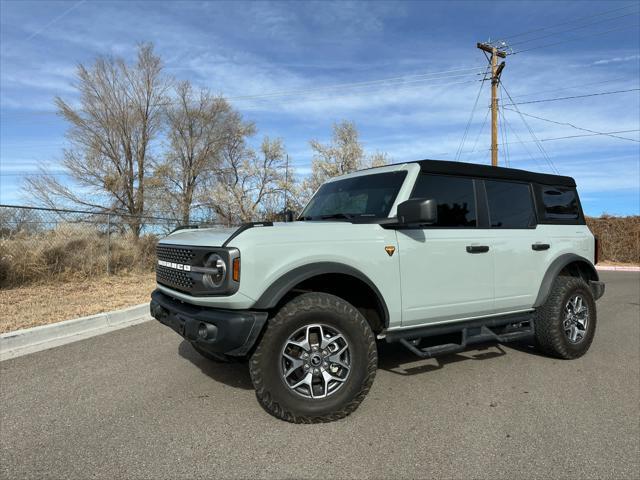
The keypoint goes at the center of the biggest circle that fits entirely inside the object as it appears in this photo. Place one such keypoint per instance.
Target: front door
(446, 269)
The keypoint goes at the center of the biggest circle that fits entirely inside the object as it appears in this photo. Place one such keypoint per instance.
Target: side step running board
(502, 330)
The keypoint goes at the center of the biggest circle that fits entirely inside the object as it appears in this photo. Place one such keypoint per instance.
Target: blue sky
(248, 49)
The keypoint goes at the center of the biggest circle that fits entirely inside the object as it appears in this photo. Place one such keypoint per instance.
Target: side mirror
(418, 211)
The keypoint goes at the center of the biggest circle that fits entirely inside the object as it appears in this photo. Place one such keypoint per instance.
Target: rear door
(446, 269)
(520, 248)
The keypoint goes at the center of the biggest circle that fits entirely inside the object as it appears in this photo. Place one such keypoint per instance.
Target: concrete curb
(30, 340)
(617, 268)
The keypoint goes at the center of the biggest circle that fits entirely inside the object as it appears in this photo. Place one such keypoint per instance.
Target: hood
(277, 232)
(199, 237)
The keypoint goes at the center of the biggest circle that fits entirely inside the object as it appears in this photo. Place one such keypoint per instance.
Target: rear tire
(316, 361)
(565, 325)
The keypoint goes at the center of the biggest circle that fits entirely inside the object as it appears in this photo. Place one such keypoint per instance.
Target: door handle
(540, 246)
(477, 248)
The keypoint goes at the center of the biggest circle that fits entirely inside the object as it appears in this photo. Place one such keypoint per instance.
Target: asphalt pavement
(140, 403)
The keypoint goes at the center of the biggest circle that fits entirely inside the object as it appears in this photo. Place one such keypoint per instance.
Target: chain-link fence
(38, 244)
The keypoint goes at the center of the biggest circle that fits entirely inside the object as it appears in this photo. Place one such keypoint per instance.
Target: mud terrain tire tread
(550, 337)
(311, 302)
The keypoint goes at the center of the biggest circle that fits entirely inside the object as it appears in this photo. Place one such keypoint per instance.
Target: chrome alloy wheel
(315, 361)
(576, 319)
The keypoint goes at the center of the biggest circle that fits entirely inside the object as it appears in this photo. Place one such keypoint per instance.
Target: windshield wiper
(346, 216)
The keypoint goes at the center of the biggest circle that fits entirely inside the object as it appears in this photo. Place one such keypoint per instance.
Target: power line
(572, 29)
(586, 17)
(503, 131)
(531, 132)
(572, 97)
(402, 79)
(574, 38)
(589, 135)
(319, 90)
(397, 87)
(570, 88)
(573, 126)
(484, 122)
(535, 159)
(473, 111)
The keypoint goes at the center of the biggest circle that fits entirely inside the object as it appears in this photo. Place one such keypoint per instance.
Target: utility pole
(286, 189)
(496, 70)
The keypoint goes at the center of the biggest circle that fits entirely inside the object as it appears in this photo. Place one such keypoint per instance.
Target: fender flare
(278, 289)
(554, 270)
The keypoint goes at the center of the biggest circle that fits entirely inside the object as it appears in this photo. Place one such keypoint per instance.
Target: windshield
(363, 196)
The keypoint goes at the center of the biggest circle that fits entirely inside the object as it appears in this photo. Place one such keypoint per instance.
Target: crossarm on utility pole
(490, 49)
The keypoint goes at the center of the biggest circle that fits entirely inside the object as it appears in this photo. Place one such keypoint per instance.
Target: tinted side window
(455, 197)
(560, 203)
(510, 204)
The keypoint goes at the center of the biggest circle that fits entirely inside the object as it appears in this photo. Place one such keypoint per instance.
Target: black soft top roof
(487, 171)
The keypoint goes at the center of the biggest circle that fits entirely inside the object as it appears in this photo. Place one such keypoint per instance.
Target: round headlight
(215, 278)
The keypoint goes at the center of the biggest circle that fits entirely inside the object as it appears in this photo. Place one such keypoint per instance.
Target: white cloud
(607, 61)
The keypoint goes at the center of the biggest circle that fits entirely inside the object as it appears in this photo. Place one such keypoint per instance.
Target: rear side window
(510, 204)
(560, 203)
(455, 197)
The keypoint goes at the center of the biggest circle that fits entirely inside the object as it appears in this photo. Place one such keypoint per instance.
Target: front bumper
(232, 332)
(597, 288)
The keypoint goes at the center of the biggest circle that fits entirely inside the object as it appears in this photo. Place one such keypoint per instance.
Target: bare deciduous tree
(249, 185)
(112, 129)
(198, 125)
(343, 155)
(378, 159)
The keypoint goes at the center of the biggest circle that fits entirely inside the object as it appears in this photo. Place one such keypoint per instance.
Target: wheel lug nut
(316, 370)
(305, 355)
(324, 352)
(306, 366)
(324, 364)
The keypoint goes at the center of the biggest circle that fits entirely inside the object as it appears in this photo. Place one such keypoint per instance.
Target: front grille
(174, 278)
(174, 254)
(171, 277)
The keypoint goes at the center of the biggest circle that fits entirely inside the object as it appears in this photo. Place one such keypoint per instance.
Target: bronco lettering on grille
(176, 266)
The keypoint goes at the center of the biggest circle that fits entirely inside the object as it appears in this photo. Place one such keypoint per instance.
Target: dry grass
(29, 306)
(71, 252)
(619, 238)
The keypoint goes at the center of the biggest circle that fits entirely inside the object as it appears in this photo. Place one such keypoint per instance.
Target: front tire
(316, 361)
(565, 325)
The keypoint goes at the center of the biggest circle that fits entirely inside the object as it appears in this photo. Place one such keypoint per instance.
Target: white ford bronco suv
(433, 255)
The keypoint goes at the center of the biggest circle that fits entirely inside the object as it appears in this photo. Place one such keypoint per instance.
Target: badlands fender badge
(390, 249)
